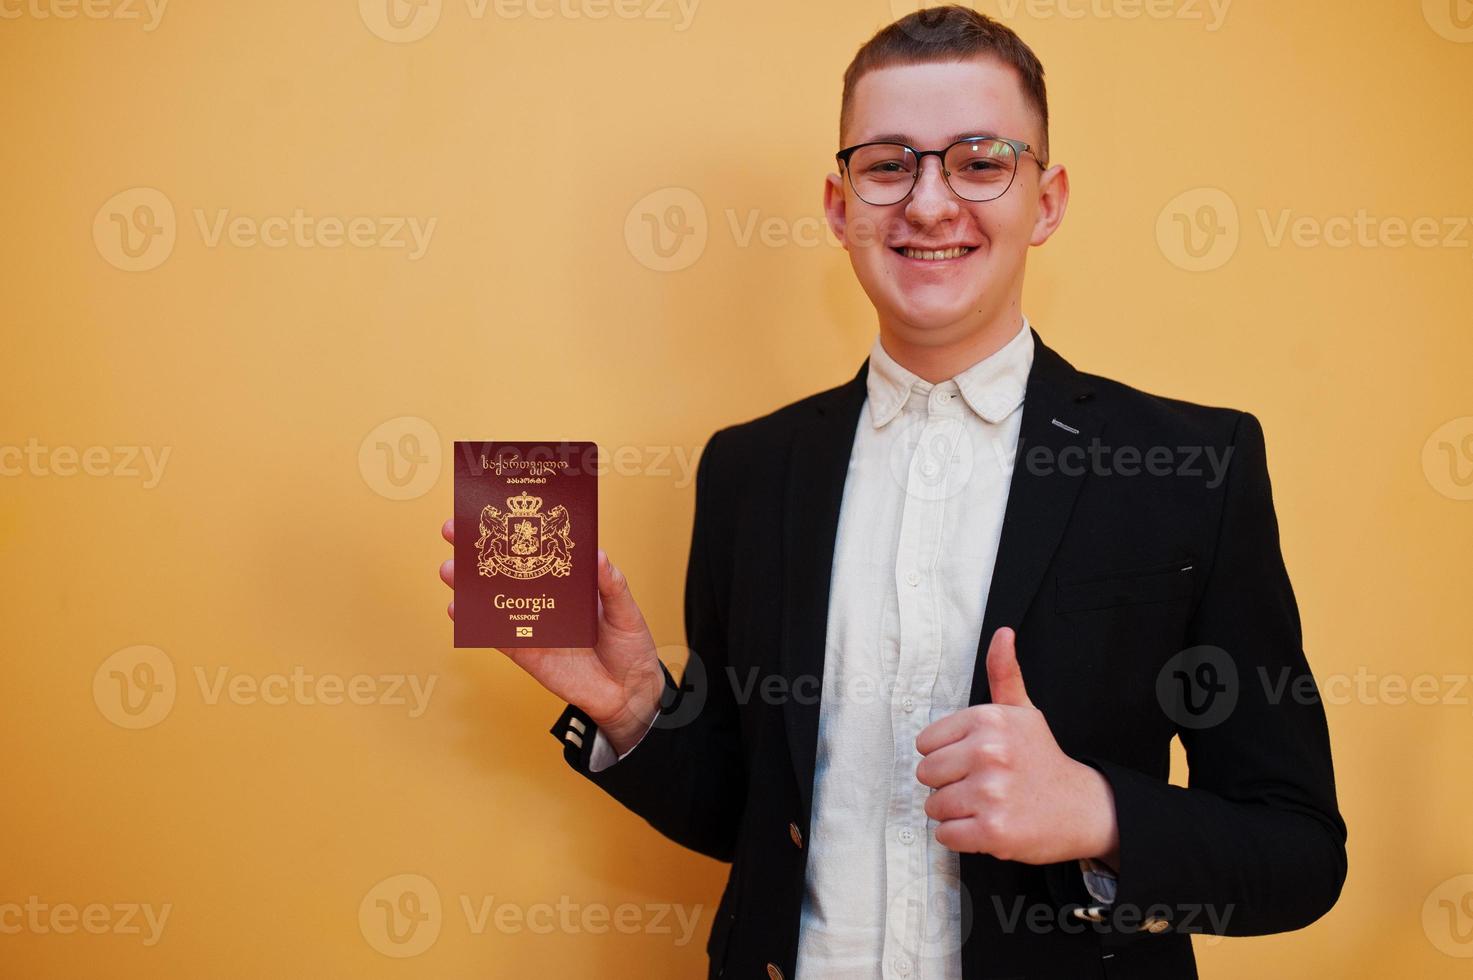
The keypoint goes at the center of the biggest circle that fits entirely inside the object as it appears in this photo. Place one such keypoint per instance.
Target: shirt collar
(992, 388)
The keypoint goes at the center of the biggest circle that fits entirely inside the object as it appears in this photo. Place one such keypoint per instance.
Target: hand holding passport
(525, 537)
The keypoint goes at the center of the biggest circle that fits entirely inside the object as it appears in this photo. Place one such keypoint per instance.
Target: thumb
(619, 607)
(1004, 676)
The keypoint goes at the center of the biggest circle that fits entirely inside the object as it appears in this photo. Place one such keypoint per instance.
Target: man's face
(928, 106)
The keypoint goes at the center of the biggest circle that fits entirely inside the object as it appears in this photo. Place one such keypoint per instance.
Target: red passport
(526, 544)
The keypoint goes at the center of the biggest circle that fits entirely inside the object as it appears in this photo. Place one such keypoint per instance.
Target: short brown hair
(950, 33)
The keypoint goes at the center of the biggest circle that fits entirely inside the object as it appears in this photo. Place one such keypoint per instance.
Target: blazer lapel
(1040, 495)
(817, 468)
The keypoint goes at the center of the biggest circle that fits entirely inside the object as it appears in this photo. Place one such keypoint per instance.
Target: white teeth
(931, 256)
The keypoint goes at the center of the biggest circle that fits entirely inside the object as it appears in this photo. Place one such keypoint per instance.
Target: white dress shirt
(918, 532)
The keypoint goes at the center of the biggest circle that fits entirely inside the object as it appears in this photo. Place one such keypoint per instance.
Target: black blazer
(1148, 603)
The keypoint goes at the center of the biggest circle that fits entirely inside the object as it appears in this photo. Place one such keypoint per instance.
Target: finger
(944, 731)
(951, 803)
(1004, 676)
(967, 835)
(954, 762)
(619, 608)
(451, 609)
(447, 572)
(448, 531)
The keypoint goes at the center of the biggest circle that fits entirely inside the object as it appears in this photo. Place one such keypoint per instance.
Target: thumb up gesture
(1002, 786)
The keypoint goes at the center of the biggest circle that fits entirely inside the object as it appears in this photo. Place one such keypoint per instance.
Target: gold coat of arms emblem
(524, 542)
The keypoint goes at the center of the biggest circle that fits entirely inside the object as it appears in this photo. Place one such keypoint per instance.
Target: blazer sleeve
(687, 776)
(1255, 844)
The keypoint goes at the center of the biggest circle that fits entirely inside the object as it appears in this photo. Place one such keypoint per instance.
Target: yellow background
(535, 313)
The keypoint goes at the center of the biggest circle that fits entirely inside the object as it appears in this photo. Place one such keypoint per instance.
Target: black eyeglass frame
(1019, 148)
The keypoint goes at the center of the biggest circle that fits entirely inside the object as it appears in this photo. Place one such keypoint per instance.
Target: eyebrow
(903, 138)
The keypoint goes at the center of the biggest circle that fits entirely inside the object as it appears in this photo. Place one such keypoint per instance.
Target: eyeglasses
(977, 169)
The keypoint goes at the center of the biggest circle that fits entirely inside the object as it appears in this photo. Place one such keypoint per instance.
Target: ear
(835, 208)
(1053, 200)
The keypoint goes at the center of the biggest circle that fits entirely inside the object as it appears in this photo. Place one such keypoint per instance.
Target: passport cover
(526, 544)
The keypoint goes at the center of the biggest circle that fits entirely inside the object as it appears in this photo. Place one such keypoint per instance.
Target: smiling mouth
(934, 255)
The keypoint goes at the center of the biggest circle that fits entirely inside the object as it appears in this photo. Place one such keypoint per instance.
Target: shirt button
(906, 835)
(908, 703)
(913, 577)
(902, 966)
(928, 469)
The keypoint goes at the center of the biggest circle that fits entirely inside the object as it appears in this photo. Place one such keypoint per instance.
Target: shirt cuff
(602, 756)
(1099, 879)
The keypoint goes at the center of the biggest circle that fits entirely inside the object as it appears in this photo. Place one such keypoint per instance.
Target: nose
(931, 200)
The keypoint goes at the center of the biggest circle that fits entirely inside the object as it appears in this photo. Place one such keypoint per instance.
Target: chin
(924, 316)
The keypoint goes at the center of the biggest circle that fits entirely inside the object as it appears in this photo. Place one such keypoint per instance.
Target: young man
(946, 618)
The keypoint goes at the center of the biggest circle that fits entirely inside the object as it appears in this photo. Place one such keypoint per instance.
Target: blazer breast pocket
(1168, 581)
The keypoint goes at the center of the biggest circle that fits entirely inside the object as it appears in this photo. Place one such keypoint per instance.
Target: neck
(936, 356)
